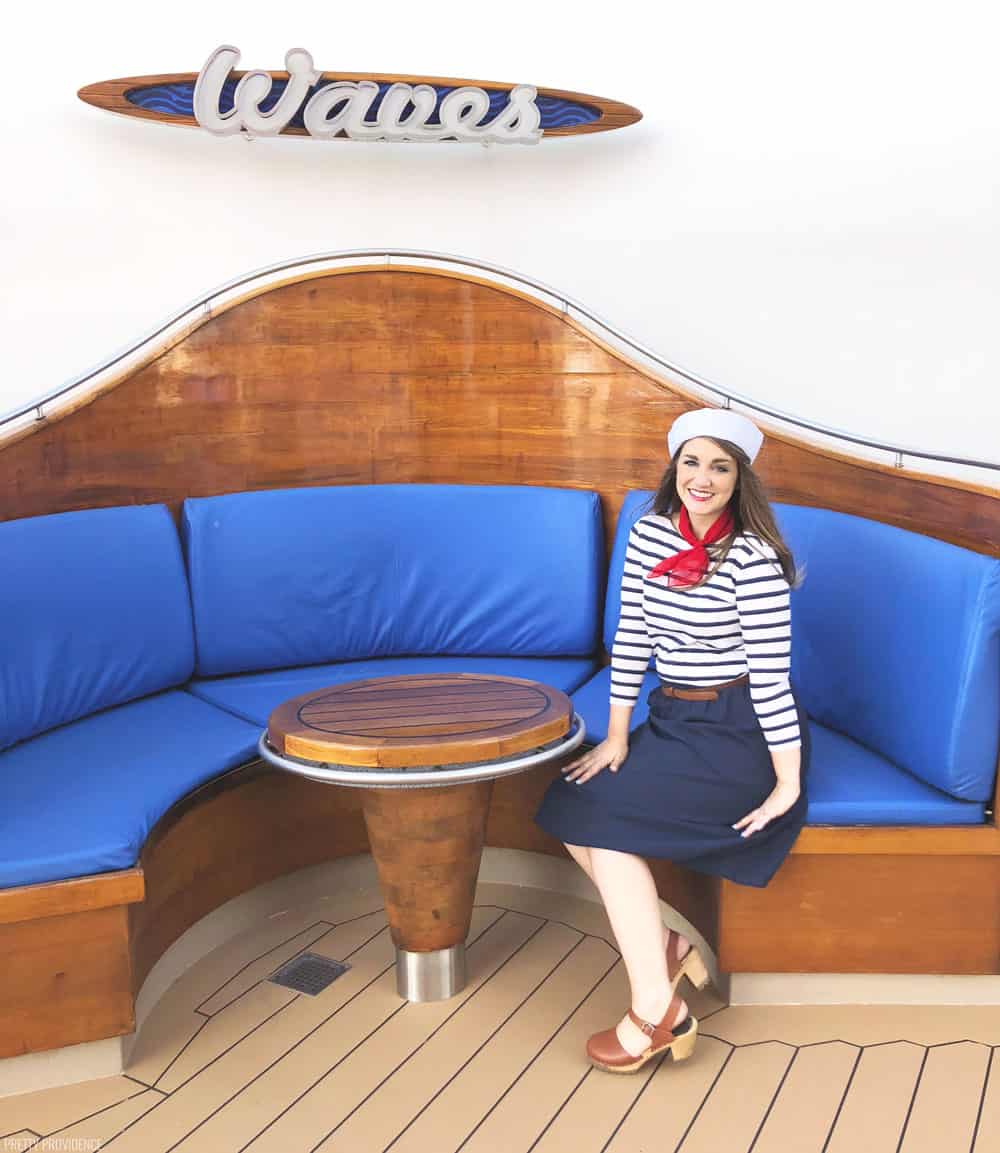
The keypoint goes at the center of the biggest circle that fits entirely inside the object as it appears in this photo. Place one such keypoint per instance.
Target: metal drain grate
(309, 973)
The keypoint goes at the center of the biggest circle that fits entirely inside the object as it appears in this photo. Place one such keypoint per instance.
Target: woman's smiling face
(706, 479)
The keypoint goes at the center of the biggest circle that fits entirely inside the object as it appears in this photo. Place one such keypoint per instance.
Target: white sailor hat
(719, 424)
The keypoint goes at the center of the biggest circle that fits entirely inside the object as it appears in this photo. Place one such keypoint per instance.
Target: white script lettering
(252, 90)
(345, 106)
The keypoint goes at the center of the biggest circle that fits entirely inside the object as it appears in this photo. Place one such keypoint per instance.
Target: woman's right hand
(609, 754)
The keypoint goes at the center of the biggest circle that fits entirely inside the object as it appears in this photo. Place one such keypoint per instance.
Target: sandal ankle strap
(662, 1033)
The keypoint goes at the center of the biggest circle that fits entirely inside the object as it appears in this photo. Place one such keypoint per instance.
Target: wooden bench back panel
(399, 375)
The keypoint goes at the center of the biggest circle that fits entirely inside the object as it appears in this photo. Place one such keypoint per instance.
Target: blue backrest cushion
(302, 576)
(896, 643)
(895, 640)
(95, 610)
(635, 505)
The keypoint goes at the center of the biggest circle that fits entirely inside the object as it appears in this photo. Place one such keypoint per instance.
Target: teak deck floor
(229, 1061)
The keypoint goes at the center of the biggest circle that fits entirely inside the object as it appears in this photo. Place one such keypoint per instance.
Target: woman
(713, 779)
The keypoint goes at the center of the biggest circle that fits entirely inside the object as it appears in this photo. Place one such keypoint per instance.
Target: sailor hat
(719, 424)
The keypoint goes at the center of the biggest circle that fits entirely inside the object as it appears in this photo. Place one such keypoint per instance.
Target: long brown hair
(749, 504)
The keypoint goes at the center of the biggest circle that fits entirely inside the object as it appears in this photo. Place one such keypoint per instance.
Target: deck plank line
(632, 1104)
(324, 927)
(378, 976)
(982, 1101)
(705, 1099)
(42, 1110)
(20, 1135)
(770, 1108)
(87, 1133)
(138, 1081)
(552, 1120)
(244, 1088)
(270, 949)
(562, 1025)
(367, 941)
(434, 1032)
(260, 1025)
(105, 1109)
(328, 1069)
(258, 1005)
(880, 1097)
(843, 1098)
(913, 1098)
(173, 1025)
(380, 1120)
(945, 1110)
(177, 1056)
(659, 1118)
(803, 1110)
(542, 1110)
(496, 921)
(427, 1104)
(732, 1113)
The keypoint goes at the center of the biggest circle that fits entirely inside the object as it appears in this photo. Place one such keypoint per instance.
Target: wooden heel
(693, 967)
(683, 1046)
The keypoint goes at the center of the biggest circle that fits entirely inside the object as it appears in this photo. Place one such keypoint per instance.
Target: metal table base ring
(431, 976)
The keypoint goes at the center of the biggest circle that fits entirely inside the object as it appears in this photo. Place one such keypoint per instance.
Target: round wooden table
(425, 749)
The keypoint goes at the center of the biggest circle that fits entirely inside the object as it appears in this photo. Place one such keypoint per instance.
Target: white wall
(807, 212)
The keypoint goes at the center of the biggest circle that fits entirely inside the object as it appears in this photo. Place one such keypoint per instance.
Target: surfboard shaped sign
(302, 101)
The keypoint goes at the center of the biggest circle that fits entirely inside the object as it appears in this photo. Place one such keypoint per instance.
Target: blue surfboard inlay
(178, 100)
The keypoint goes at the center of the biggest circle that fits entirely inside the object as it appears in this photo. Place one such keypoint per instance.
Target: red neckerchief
(689, 566)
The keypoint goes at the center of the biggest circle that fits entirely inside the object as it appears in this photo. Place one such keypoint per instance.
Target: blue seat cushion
(851, 785)
(315, 575)
(848, 784)
(95, 610)
(256, 696)
(896, 644)
(82, 798)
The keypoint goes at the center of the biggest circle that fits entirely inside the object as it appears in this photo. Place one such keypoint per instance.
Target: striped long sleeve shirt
(738, 622)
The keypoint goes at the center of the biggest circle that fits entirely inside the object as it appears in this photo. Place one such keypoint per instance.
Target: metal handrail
(566, 303)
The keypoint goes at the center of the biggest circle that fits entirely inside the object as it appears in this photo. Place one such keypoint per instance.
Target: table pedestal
(427, 844)
(424, 749)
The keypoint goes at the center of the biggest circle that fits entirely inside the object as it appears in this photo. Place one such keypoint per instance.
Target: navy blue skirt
(693, 769)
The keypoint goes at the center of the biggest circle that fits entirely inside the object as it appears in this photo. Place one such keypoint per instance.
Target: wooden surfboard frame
(111, 96)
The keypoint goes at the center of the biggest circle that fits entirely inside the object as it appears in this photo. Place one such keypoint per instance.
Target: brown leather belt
(706, 694)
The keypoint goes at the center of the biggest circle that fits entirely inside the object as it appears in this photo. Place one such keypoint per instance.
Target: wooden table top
(420, 720)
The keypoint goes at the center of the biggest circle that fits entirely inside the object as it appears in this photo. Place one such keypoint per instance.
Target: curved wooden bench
(382, 374)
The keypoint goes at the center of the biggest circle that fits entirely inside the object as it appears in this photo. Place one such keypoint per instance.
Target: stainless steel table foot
(431, 976)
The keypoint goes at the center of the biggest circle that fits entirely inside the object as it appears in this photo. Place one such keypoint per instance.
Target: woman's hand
(781, 798)
(609, 754)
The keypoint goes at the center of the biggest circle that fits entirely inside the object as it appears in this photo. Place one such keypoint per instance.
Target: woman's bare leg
(629, 894)
(581, 854)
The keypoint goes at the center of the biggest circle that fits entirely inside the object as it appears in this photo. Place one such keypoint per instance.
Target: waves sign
(355, 106)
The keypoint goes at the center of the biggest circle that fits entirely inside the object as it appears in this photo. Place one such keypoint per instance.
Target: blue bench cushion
(896, 644)
(95, 610)
(635, 505)
(314, 575)
(848, 784)
(82, 799)
(256, 696)
(851, 785)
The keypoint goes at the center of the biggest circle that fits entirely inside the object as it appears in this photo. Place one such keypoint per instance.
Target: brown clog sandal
(605, 1051)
